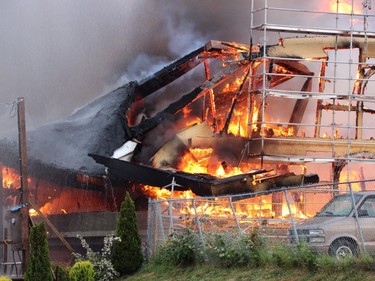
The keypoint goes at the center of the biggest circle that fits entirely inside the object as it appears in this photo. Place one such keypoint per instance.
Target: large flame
(197, 161)
(254, 208)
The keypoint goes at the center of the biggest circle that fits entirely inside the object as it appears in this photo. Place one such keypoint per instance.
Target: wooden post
(5, 251)
(24, 188)
(1, 210)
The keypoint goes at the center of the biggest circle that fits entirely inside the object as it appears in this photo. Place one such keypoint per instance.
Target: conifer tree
(39, 267)
(127, 254)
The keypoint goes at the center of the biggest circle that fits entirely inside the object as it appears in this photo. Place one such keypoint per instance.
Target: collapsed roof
(59, 151)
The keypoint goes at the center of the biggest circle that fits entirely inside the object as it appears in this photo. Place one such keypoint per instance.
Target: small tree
(127, 253)
(82, 271)
(40, 265)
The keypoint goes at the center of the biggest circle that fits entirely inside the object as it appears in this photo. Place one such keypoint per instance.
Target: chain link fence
(320, 215)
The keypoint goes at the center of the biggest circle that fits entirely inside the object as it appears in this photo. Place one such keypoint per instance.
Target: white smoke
(181, 36)
(141, 67)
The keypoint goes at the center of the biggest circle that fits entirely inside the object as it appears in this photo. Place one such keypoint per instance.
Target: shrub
(326, 264)
(258, 250)
(127, 253)
(61, 272)
(283, 256)
(222, 249)
(227, 249)
(101, 262)
(305, 257)
(300, 256)
(82, 271)
(181, 250)
(366, 262)
(4, 278)
(39, 267)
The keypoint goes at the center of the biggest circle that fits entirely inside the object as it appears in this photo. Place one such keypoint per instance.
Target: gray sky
(60, 55)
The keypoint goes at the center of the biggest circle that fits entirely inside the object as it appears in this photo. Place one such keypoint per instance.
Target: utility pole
(25, 228)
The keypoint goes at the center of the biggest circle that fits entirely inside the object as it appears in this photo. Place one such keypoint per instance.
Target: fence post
(291, 216)
(160, 218)
(170, 208)
(356, 220)
(151, 228)
(170, 213)
(198, 222)
(234, 215)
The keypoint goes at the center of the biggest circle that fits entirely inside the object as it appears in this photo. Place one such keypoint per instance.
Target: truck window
(367, 209)
(340, 205)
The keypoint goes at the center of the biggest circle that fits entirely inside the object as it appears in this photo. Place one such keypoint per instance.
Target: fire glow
(56, 199)
(11, 178)
(344, 7)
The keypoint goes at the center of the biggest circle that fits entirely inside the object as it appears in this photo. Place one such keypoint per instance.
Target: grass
(205, 272)
(227, 257)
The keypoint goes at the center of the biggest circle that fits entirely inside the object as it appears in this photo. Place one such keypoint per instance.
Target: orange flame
(196, 161)
(162, 193)
(245, 209)
(186, 111)
(353, 176)
(11, 178)
(237, 126)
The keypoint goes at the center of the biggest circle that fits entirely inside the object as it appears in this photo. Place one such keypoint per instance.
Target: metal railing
(281, 215)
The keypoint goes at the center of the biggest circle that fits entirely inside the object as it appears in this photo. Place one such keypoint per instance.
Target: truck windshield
(340, 206)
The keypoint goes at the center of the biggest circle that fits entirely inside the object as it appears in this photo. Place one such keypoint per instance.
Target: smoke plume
(60, 55)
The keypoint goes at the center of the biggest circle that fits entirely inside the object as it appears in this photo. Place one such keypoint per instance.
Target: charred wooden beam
(146, 125)
(200, 184)
(318, 113)
(247, 185)
(294, 67)
(234, 102)
(169, 73)
(339, 107)
(300, 106)
(213, 45)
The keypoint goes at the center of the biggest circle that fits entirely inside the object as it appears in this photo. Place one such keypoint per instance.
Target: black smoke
(60, 55)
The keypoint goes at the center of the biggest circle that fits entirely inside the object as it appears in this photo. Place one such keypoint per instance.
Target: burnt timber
(102, 126)
(202, 184)
(295, 148)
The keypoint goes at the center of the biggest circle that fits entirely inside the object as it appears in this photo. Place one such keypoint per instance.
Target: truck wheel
(343, 249)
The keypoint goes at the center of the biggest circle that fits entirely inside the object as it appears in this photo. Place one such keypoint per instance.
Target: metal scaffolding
(315, 60)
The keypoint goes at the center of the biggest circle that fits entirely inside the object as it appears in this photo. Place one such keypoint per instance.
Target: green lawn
(199, 273)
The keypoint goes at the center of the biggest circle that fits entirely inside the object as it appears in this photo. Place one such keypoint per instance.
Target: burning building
(227, 118)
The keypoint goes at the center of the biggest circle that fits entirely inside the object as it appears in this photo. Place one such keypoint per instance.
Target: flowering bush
(103, 266)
